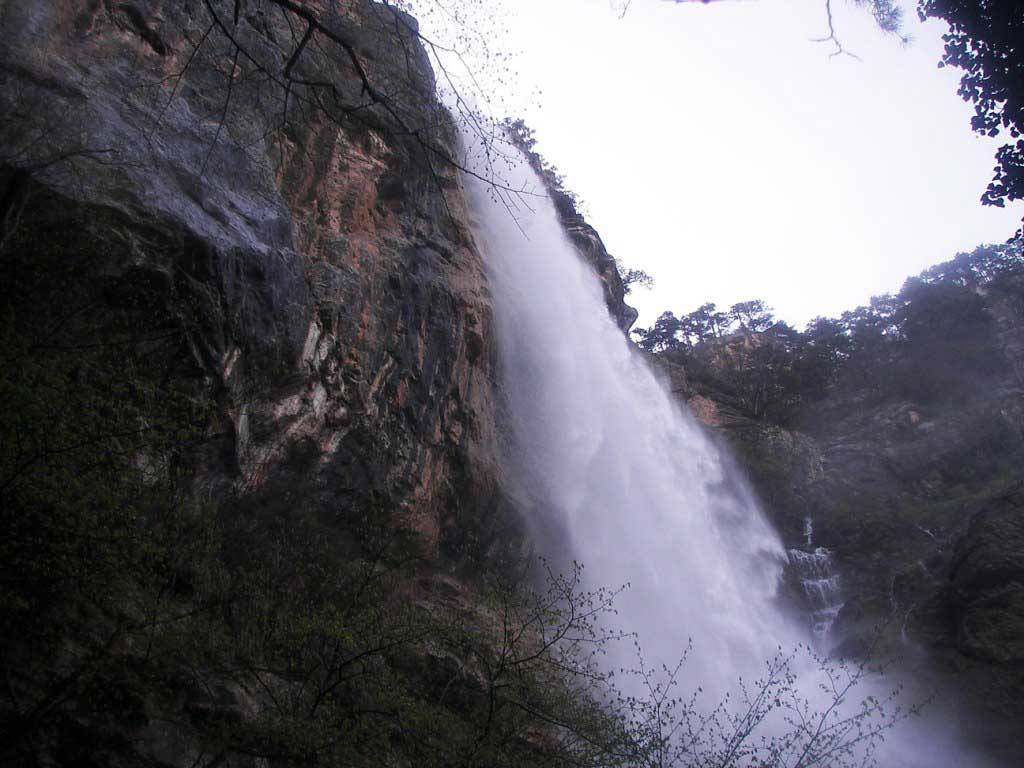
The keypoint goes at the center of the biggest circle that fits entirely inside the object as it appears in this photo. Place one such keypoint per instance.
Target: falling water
(820, 583)
(608, 467)
(815, 570)
(611, 470)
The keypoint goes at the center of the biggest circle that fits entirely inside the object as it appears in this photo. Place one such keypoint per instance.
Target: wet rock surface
(325, 272)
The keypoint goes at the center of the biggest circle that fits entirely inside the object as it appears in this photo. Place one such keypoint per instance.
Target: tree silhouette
(752, 316)
(985, 41)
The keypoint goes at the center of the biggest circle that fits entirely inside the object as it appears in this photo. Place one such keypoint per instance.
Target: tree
(671, 333)
(984, 40)
(634, 277)
(949, 345)
(752, 316)
(887, 14)
(979, 267)
(824, 345)
(770, 723)
(663, 336)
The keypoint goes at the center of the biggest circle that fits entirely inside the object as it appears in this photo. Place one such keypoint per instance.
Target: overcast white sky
(719, 149)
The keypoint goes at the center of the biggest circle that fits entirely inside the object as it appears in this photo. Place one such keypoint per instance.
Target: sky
(719, 149)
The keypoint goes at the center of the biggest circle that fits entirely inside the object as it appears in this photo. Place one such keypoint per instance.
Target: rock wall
(259, 207)
(319, 260)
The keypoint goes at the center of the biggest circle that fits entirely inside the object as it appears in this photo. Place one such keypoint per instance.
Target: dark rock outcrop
(987, 583)
(323, 268)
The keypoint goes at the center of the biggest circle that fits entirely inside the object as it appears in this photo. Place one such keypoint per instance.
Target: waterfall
(819, 580)
(611, 471)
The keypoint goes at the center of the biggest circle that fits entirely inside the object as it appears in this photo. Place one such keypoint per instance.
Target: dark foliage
(986, 41)
(634, 277)
(933, 340)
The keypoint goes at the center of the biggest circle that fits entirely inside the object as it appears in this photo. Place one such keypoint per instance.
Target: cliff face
(319, 263)
(919, 500)
(302, 276)
(248, 447)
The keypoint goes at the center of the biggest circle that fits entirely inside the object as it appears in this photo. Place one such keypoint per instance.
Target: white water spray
(610, 469)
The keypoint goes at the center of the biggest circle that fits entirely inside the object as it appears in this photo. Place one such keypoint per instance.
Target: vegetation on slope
(934, 340)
